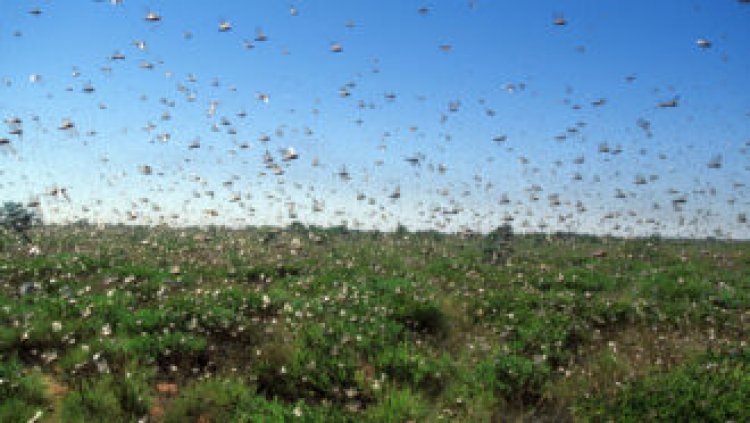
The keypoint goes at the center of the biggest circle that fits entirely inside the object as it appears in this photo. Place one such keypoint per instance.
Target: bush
(400, 405)
(114, 397)
(411, 368)
(218, 399)
(519, 378)
(233, 400)
(423, 316)
(21, 395)
(713, 388)
(426, 318)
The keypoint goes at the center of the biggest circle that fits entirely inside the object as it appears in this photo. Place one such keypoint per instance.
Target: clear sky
(493, 100)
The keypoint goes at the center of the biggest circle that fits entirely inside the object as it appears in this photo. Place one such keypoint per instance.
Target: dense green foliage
(714, 387)
(268, 325)
(21, 393)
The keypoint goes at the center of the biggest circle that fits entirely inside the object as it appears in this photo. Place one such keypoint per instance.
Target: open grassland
(130, 323)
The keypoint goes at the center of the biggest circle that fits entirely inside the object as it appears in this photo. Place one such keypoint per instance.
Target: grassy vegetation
(331, 325)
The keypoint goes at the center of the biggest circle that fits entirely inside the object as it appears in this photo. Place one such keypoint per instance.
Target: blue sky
(510, 71)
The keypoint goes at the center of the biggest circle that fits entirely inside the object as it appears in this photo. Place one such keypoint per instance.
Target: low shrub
(114, 397)
(712, 388)
(22, 393)
(513, 377)
(399, 405)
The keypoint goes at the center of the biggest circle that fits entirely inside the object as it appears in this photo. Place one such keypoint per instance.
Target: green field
(306, 324)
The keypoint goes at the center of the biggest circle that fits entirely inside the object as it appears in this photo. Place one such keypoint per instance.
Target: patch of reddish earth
(165, 392)
(56, 391)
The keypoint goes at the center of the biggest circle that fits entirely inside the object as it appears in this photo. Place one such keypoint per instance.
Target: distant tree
(503, 232)
(14, 217)
(269, 235)
(297, 227)
(81, 223)
(497, 244)
(338, 230)
(212, 230)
